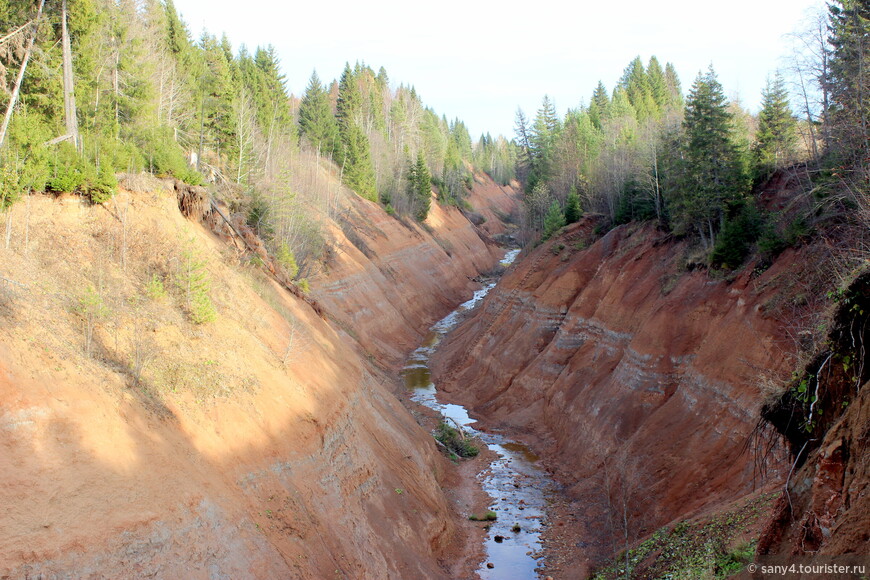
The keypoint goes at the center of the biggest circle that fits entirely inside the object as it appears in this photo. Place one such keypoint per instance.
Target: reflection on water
(514, 481)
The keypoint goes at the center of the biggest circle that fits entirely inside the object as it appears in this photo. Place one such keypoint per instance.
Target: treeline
(381, 139)
(146, 96)
(646, 152)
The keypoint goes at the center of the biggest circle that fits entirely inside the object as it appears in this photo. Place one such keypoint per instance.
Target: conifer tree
(636, 85)
(542, 141)
(672, 80)
(848, 80)
(317, 124)
(572, 207)
(658, 84)
(357, 170)
(523, 141)
(553, 220)
(218, 88)
(273, 105)
(776, 136)
(420, 183)
(599, 104)
(712, 179)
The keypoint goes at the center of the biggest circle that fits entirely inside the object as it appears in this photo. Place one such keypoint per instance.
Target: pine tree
(776, 136)
(316, 122)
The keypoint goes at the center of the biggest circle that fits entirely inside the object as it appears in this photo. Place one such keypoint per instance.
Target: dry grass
(77, 286)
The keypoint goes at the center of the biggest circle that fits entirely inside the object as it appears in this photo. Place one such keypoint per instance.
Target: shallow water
(514, 480)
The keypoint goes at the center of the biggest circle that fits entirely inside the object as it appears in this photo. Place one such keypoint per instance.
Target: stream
(514, 480)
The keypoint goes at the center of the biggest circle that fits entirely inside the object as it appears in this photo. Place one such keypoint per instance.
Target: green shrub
(68, 171)
(635, 204)
(104, 186)
(287, 260)
(259, 216)
(121, 154)
(734, 561)
(24, 165)
(163, 155)
(489, 516)
(454, 440)
(201, 309)
(553, 221)
(738, 233)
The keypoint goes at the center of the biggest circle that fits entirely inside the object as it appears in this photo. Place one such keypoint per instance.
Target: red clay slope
(620, 366)
(239, 453)
(390, 279)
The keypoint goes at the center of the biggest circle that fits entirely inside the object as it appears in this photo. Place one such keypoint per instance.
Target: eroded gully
(515, 480)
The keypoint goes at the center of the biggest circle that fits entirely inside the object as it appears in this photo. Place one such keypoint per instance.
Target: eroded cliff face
(639, 380)
(263, 444)
(388, 280)
(825, 415)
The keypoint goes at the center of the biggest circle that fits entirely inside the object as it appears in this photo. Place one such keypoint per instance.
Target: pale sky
(479, 61)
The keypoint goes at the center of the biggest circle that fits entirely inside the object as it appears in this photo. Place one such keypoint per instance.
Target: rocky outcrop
(638, 379)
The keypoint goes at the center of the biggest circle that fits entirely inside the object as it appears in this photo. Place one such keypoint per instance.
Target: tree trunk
(69, 100)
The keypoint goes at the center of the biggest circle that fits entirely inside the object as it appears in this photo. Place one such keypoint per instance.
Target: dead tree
(69, 100)
(14, 98)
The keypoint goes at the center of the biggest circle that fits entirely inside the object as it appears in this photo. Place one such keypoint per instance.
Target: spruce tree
(317, 124)
(218, 88)
(712, 179)
(776, 136)
(636, 85)
(599, 104)
(420, 183)
(848, 80)
(658, 85)
(357, 170)
(273, 104)
(542, 142)
(675, 90)
(572, 207)
(553, 220)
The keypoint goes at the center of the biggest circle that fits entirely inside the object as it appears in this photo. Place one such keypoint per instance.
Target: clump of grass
(489, 516)
(455, 441)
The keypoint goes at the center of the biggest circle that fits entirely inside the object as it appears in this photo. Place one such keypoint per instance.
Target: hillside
(260, 444)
